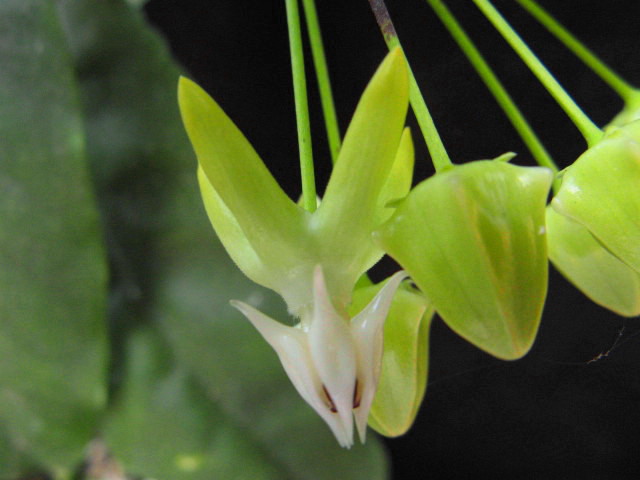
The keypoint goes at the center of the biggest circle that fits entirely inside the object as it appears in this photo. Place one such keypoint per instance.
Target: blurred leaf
(165, 426)
(164, 249)
(52, 266)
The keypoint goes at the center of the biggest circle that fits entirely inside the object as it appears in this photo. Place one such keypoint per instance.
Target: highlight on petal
(590, 267)
(367, 330)
(473, 240)
(600, 192)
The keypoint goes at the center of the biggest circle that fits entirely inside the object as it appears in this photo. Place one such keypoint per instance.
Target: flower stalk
(301, 105)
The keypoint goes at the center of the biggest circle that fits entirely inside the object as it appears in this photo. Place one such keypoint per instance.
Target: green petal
(271, 222)
(230, 234)
(349, 208)
(403, 378)
(591, 267)
(601, 192)
(472, 238)
(399, 181)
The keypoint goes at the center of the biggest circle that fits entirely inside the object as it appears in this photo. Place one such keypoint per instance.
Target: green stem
(622, 88)
(492, 82)
(589, 130)
(322, 74)
(302, 108)
(439, 156)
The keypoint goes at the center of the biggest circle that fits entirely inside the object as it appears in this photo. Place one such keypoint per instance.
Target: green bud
(403, 377)
(600, 191)
(590, 267)
(473, 240)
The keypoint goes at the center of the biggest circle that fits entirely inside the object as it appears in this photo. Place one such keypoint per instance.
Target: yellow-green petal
(601, 191)
(230, 234)
(590, 267)
(348, 211)
(473, 240)
(272, 223)
(399, 181)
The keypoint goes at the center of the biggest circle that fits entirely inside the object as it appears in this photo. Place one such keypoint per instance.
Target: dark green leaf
(165, 426)
(52, 265)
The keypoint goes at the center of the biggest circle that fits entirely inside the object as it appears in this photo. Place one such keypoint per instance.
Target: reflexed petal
(367, 330)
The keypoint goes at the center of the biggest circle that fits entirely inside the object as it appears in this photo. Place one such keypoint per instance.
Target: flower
(591, 267)
(333, 362)
(599, 191)
(473, 240)
(313, 260)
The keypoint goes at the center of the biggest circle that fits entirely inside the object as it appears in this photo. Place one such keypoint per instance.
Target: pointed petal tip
(361, 424)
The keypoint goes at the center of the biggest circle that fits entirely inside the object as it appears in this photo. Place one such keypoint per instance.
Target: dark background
(571, 407)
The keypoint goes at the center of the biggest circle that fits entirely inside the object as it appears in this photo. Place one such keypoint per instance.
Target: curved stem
(302, 108)
(439, 156)
(492, 82)
(617, 83)
(322, 74)
(589, 130)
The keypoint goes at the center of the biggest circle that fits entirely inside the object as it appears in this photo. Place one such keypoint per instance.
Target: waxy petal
(473, 240)
(590, 267)
(367, 331)
(600, 191)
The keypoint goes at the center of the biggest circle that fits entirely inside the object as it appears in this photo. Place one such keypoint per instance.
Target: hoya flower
(473, 240)
(313, 260)
(600, 192)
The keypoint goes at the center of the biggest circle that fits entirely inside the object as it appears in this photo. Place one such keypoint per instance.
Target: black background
(555, 413)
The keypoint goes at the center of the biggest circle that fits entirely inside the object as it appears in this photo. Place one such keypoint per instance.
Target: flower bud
(591, 267)
(600, 191)
(472, 238)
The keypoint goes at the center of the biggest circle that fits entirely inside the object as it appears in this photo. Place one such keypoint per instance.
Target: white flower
(333, 361)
